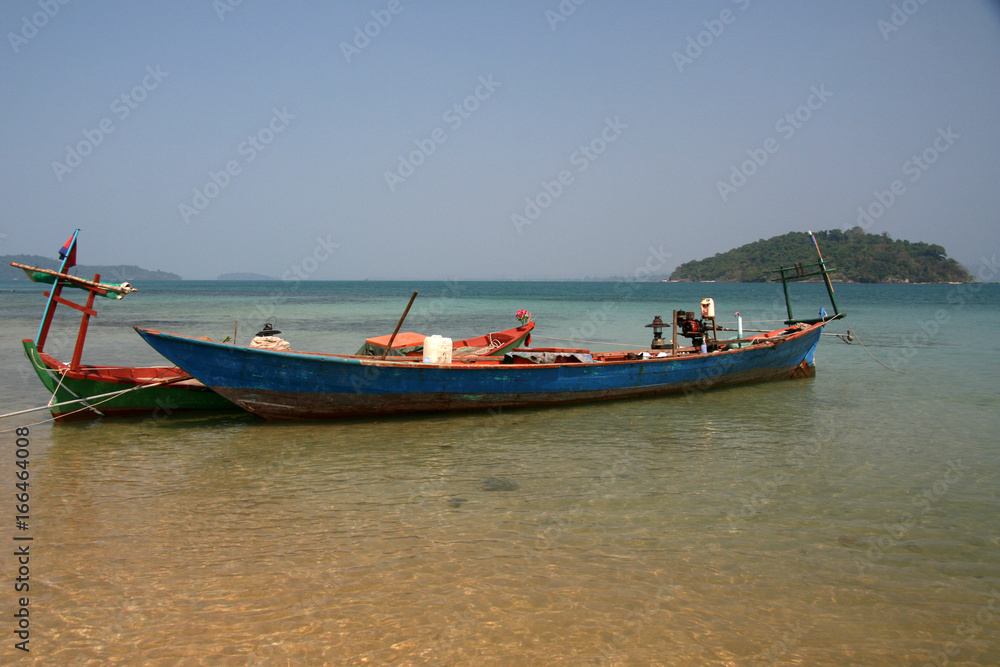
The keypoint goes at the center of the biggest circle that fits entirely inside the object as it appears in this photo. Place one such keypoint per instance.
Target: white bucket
(437, 350)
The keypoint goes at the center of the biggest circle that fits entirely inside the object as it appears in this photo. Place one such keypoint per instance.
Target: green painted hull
(157, 401)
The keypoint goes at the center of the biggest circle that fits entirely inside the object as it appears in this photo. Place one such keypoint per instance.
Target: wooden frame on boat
(81, 391)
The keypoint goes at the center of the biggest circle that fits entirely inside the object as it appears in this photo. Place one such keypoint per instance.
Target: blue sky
(404, 139)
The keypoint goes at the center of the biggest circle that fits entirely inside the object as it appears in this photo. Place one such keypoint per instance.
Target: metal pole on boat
(673, 337)
(788, 301)
(388, 345)
(826, 275)
(43, 328)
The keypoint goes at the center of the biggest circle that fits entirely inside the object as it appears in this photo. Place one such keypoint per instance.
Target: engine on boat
(701, 331)
(689, 327)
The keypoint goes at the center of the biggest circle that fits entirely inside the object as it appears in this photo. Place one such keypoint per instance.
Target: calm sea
(849, 519)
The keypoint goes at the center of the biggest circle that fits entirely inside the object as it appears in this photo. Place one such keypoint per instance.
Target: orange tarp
(403, 339)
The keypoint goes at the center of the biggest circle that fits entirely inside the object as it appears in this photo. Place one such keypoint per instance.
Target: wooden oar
(398, 324)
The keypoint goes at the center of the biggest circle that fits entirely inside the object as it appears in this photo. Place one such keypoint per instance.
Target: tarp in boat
(406, 342)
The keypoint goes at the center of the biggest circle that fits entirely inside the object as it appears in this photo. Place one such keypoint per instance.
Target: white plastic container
(708, 309)
(437, 350)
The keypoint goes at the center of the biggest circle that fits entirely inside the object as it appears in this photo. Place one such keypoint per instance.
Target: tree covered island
(855, 256)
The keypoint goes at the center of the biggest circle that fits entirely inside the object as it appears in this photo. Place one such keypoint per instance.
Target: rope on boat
(851, 331)
(107, 397)
(485, 351)
(855, 334)
(63, 376)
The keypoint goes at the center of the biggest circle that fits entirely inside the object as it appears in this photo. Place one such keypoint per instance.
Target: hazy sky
(469, 140)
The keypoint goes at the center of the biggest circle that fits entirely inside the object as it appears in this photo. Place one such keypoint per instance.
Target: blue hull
(299, 385)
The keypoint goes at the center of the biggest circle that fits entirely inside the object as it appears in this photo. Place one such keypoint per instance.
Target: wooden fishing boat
(303, 385)
(86, 391)
(91, 391)
(82, 391)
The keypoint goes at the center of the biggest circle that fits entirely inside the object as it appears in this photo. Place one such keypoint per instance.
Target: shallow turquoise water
(847, 519)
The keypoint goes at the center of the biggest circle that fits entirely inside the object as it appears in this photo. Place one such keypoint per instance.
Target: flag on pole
(68, 252)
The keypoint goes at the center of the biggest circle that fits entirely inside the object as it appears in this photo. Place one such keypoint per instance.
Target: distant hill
(245, 276)
(114, 274)
(857, 257)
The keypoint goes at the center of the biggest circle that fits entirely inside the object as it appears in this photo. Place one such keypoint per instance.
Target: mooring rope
(62, 373)
(865, 347)
(109, 397)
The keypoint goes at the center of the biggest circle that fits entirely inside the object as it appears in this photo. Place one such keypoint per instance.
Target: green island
(114, 274)
(855, 256)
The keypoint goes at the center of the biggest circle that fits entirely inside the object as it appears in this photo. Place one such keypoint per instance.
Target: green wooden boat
(82, 391)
